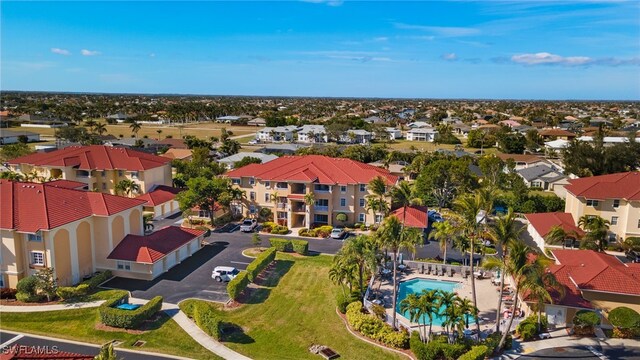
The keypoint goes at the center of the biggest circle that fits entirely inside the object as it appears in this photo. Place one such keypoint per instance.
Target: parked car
(337, 233)
(434, 216)
(248, 225)
(224, 273)
(253, 142)
(634, 256)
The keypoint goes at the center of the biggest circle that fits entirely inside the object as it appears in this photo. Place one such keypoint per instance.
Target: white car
(224, 273)
(253, 142)
(248, 225)
(337, 233)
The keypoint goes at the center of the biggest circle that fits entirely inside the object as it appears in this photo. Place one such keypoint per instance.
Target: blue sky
(460, 49)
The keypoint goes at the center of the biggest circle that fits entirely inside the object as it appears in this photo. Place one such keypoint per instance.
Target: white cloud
(60, 51)
(443, 31)
(381, 38)
(328, 2)
(152, 55)
(86, 52)
(450, 57)
(545, 58)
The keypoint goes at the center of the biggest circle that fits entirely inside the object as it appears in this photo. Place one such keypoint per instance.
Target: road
(51, 346)
(584, 352)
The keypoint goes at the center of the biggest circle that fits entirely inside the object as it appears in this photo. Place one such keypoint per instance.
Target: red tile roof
(557, 132)
(614, 186)
(173, 143)
(95, 157)
(67, 184)
(159, 195)
(24, 352)
(315, 169)
(30, 207)
(151, 248)
(543, 222)
(591, 270)
(417, 216)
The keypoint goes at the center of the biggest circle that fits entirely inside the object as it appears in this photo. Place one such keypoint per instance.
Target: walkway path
(55, 307)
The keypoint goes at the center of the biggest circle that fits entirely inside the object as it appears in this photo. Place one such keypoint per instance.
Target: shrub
(323, 231)
(27, 285)
(584, 322)
(476, 353)
(304, 232)
(342, 301)
(374, 328)
(8, 293)
(260, 263)
(207, 320)
(379, 311)
(28, 298)
(438, 348)
(98, 279)
(267, 226)
(280, 230)
(282, 245)
(527, 331)
(72, 292)
(237, 285)
(342, 217)
(128, 319)
(624, 317)
(300, 246)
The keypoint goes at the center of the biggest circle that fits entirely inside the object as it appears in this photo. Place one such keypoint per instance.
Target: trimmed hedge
(260, 263)
(437, 348)
(374, 328)
(8, 293)
(476, 353)
(624, 317)
(29, 298)
(27, 285)
(207, 320)
(528, 328)
(128, 319)
(300, 246)
(72, 292)
(282, 245)
(584, 322)
(237, 285)
(98, 279)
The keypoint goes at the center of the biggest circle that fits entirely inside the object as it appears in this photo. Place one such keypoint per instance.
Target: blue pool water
(128, 306)
(416, 286)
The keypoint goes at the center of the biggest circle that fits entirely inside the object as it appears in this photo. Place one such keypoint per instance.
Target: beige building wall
(626, 215)
(608, 302)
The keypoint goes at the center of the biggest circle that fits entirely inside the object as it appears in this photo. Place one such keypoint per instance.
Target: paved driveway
(192, 277)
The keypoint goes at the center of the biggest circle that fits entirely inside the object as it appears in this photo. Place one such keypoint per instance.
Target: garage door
(158, 268)
(170, 261)
(184, 252)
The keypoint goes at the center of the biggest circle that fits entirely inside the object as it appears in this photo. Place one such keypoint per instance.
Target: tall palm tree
(12, 176)
(393, 236)
(503, 232)
(446, 302)
(597, 230)
(443, 233)
(100, 128)
(558, 235)
(539, 288)
(428, 308)
(127, 187)
(360, 251)
(159, 131)
(91, 124)
(341, 273)
(411, 304)
(135, 127)
(309, 201)
(378, 186)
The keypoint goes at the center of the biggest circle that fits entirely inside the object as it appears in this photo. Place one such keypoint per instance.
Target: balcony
(321, 208)
(299, 208)
(299, 189)
(281, 206)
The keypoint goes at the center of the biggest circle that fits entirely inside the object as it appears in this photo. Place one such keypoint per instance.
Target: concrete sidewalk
(55, 307)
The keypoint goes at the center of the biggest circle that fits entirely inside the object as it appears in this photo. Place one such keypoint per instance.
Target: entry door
(556, 315)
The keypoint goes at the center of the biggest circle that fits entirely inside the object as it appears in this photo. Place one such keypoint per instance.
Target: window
(321, 218)
(343, 202)
(361, 202)
(267, 184)
(104, 186)
(204, 213)
(282, 215)
(614, 220)
(363, 187)
(252, 209)
(593, 203)
(361, 217)
(235, 181)
(343, 189)
(103, 173)
(267, 197)
(35, 237)
(37, 258)
(616, 203)
(281, 185)
(320, 187)
(1, 281)
(252, 181)
(123, 265)
(322, 202)
(252, 196)
(120, 173)
(378, 218)
(134, 174)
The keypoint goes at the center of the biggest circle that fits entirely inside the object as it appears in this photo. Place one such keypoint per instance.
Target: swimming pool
(415, 286)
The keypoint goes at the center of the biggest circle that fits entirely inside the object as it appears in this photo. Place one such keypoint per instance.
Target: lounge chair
(450, 272)
(441, 271)
(428, 269)
(464, 274)
(422, 269)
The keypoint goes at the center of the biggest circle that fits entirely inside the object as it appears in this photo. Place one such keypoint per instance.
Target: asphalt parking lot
(40, 346)
(583, 352)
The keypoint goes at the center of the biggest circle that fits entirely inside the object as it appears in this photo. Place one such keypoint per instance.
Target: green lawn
(292, 310)
(164, 335)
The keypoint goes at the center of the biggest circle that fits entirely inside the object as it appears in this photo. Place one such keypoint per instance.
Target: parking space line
(214, 292)
(11, 341)
(239, 262)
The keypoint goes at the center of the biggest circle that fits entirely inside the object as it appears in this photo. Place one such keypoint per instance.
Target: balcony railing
(299, 208)
(321, 208)
(281, 205)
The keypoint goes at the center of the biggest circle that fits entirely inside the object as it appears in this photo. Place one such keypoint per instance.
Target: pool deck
(486, 295)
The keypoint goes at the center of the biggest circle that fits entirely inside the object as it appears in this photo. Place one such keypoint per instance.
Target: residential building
(257, 122)
(592, 281)
(544, 177)
(161, 201)
(419, 124)
(173, 143)
(557, 134)
(12, 137)
(71, 231)
(178, 154)
(276, 134)
(230, 160)
(394, 134)
(614, 197)
(522, 161)
(312, 134)
(427, 134)
(357, 136)
(415, 216)
(288, 149)
(100, 167)
(540, 224)
(338, 186)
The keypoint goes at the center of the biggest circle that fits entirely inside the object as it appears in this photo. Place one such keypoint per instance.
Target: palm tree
(558, 235)
(360, 251)
(392, 235)
(428, 308)
(100, 128)
(503, 232)
(446, 300)
(309, 201)
(135, 127)
(467, 308)
(539, 287)
(159, 131)
(274, 199)
(12, 176)
(341, 273)
(597, 231)
(127, 187)
(238, 196)
(411, 304)
(443, 232)
(90, 124)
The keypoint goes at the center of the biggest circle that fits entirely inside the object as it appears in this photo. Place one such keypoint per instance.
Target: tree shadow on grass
(235, 334)
(271, 276)
(156, 322)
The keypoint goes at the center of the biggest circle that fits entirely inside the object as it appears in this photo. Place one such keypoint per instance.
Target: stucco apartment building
(100, 167)
(614, 197)
(339, 186)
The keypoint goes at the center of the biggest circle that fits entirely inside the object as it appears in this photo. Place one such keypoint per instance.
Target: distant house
(461, 129)
(422, 134)
(276, 134)
(179, 154)
(230, 160)
(522, 161)
(553, 134)
(510, 123)
(545, 177)
(357, 136)
(228, 119)
(557, 145)
(12, 137)
(118, 117)
(394, 133)
(418, 124)
(374, 120)
(415, 216)
(286, 149)
(173, 143)
(312, 134)
(257, 122)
